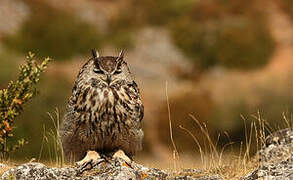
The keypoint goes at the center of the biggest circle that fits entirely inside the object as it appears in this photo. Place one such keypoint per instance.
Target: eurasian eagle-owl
(104, 112)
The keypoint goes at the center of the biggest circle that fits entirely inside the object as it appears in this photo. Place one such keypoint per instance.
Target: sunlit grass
(228, 161)
(53, 140)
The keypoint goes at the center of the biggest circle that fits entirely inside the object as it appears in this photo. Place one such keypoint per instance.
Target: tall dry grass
(52, 139)
(230, 161)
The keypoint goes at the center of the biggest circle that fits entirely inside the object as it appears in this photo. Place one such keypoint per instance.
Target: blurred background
(219, 59)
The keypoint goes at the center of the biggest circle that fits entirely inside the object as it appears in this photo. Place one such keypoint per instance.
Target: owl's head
(108, 70)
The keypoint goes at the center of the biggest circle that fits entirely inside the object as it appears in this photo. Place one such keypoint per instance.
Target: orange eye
(98, 71)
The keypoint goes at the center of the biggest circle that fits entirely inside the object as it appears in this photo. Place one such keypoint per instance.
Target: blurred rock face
(12, 15)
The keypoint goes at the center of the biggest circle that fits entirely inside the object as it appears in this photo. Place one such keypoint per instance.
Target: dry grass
(175, 151)
(52, 137)
(222, 160)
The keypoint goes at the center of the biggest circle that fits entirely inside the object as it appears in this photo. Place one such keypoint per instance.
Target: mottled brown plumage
(104, 112)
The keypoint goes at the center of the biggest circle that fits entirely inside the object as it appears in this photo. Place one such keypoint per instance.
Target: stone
(276, 158)
(114, 169)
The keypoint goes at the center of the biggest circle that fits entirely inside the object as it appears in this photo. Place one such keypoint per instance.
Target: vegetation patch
(53, 32)
(13, 98)
(218, 33)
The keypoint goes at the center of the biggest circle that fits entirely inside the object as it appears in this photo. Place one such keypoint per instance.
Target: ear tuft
(121, 54)
(95, 54)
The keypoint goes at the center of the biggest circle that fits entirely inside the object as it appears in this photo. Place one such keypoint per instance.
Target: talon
(122, 155)
(91, 155)
(85, 167)
(91, 165)
(91, 160)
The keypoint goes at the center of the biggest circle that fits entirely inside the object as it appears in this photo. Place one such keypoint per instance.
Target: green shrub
(13, 98)
(224, 33)
(236, 43)
(161, 12)
(53, 32)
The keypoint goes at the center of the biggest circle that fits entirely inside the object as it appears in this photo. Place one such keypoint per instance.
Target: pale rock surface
(276, 158)
(12, 15)
(115, 169)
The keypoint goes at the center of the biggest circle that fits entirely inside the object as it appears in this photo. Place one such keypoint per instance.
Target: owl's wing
(134, 94)
(76, 93)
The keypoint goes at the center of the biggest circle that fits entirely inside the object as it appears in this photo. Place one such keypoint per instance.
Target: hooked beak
(108, 79)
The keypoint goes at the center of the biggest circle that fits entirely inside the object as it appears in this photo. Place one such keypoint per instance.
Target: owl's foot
(90, 156)
(91, 159)
(120, 154)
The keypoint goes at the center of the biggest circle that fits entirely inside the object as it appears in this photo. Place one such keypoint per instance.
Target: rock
(38, 171)
(282, 171)
(279, 147)
(12, 16)
(114, 169)
(276, 158)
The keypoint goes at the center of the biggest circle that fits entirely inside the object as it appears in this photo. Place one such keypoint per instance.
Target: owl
(104, 112)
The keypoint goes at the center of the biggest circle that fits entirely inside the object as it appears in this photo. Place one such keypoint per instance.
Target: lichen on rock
(114, 169)
(276, 158)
